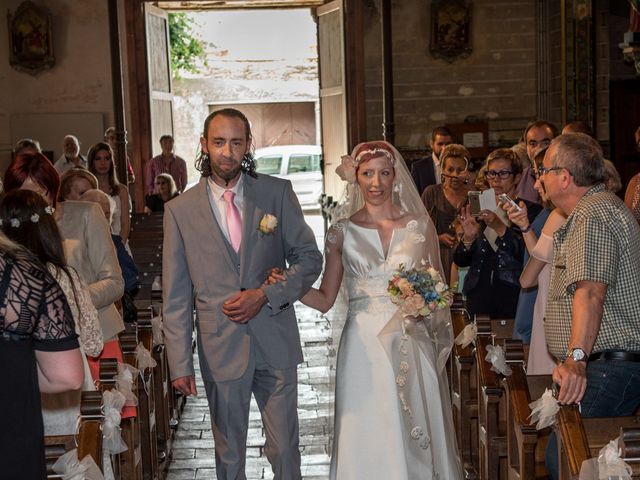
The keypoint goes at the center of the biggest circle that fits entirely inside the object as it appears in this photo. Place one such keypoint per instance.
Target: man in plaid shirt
(592, 321)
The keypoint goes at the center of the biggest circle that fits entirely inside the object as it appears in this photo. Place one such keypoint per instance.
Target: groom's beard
(226, 175)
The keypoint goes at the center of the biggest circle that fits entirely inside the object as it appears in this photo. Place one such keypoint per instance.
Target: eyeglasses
(501, 174)
(544, 170)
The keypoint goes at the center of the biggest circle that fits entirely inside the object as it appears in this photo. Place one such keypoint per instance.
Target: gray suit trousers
(276, 393)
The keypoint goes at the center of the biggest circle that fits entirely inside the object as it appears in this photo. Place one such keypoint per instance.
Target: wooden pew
(128, 464)
(160, 385)
(582, 438)
(88, 440)
(525, 444)
(146, 245)
(463, 390)
(145, 394)
(492, 439)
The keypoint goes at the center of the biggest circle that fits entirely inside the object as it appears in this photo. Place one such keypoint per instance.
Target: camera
(504, 198)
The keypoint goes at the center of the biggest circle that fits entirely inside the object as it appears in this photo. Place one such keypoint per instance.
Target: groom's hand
(186, 385)
(245, 305)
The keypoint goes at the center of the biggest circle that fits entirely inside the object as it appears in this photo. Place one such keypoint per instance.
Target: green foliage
(185, 49)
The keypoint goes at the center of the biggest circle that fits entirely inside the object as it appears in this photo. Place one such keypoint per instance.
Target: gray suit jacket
(200, 269)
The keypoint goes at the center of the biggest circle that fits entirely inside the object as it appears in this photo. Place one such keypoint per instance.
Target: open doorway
(156, 101)
(263, 62)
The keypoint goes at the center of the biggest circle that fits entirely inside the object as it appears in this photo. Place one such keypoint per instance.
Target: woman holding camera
(490, 247)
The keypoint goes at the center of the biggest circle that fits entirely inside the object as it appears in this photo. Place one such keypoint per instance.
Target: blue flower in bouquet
(419, 291)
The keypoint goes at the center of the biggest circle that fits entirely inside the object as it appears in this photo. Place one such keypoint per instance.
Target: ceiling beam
(199, 5)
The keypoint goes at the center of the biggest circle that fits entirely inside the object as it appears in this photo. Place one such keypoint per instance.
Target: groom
(220, 241)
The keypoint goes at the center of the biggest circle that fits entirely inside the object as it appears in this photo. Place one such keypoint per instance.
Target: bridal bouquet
(419, 291)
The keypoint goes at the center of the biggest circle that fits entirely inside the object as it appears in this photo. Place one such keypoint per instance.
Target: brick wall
(496, 83)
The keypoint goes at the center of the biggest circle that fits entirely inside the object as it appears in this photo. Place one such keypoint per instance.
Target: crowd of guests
(561, 258)
(67, 279)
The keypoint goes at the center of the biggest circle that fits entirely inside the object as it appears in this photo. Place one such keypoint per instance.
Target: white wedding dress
(375, 437)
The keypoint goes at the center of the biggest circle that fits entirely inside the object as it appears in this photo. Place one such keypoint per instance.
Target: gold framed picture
(30, 39)
(450, 29)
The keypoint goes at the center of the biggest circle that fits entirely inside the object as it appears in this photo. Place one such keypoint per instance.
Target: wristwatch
(577, 354)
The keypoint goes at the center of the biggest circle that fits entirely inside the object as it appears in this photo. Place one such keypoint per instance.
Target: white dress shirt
(436, 168)
(219, 206)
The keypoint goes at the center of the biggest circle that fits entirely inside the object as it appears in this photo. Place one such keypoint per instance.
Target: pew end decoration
(496, 357)
(467, 336)
(544, 410)
(608, 464)
(69, 467)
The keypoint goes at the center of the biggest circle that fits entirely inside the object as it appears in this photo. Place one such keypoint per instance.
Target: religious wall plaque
(450, 29)
(30, 39)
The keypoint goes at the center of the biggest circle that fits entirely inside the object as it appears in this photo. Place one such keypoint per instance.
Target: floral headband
(35, 218)
(347, 168)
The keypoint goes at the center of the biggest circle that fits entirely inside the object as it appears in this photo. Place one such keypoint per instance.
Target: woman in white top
(101, 164)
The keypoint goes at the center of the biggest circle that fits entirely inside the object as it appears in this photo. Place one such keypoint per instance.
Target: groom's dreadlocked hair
(248, 163)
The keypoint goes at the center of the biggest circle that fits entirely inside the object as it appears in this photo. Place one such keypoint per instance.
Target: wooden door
(159, 70)
(333, 109)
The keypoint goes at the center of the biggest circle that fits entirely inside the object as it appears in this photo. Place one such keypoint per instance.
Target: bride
(392, 410)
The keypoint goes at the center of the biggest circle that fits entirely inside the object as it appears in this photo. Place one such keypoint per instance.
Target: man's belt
(619, 356)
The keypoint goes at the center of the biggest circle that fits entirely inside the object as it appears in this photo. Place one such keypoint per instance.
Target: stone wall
(496, 83)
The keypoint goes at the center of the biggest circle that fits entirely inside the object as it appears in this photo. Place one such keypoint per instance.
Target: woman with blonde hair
(444, 200)
(165, 190)
(75, 182)
(490, 247)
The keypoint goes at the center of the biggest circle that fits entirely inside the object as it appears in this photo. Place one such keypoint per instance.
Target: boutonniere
(268, 224)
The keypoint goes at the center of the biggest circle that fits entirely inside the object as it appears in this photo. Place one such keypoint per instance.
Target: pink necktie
(234, 222)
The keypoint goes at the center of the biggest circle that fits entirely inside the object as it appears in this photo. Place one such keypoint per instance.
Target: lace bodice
(85, 315)
(33, 304)
(366, 269)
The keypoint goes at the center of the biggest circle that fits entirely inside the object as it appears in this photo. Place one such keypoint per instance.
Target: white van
(301, 164)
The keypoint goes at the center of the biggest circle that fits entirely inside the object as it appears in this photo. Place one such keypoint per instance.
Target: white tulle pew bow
(467, 335)
(495, 356)
(113, 401)
(544, 410)
(124, 383)
(70, 468)
(144, 357)
(608, 465)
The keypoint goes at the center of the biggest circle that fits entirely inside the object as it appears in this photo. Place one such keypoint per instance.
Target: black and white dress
(34, 315)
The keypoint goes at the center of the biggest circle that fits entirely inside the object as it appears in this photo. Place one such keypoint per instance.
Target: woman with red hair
(33, 171)
(87, 239)
(392, 396)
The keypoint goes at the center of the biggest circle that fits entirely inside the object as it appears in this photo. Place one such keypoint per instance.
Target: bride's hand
(275, 275)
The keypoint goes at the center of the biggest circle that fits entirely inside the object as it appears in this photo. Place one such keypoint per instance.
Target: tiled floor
(193, 456)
